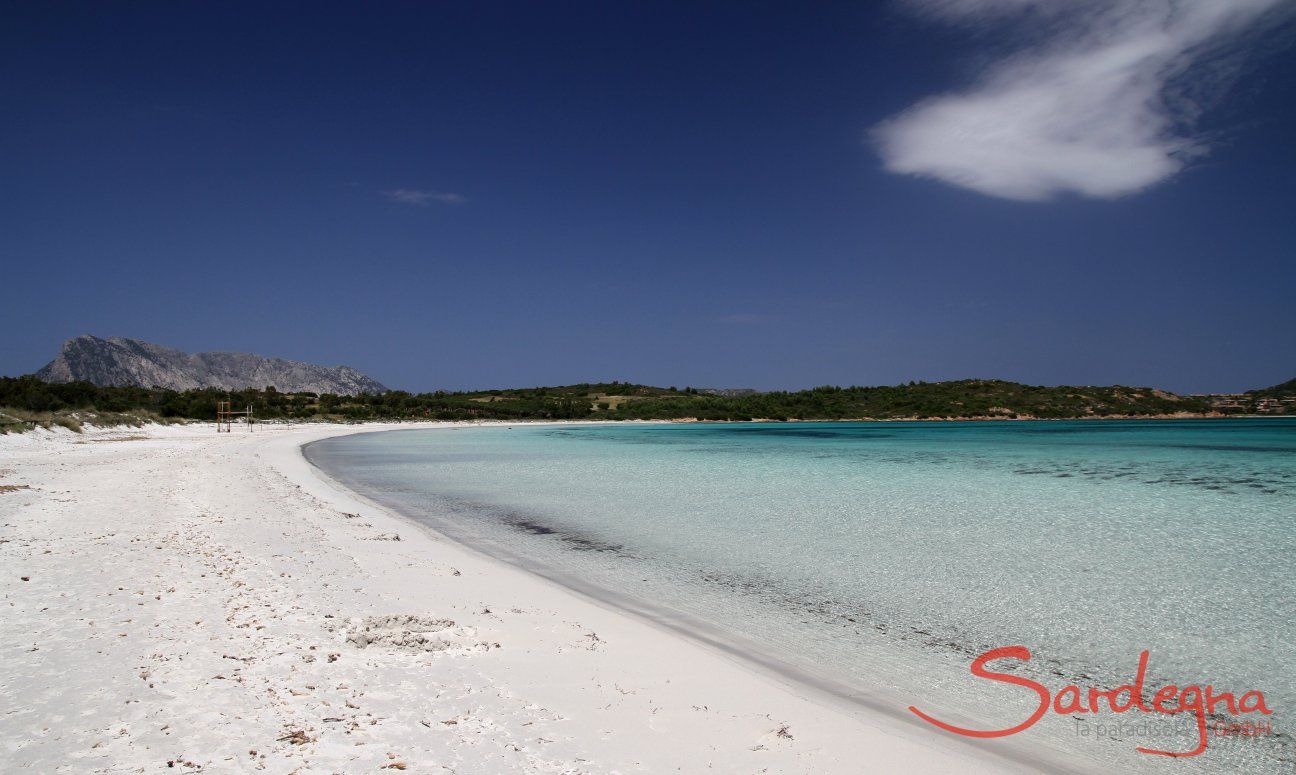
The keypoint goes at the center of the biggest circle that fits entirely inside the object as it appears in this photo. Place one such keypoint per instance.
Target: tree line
(616, 401)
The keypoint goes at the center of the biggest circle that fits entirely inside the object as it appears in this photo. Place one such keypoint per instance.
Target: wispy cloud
(1095, 101)
(419, 198)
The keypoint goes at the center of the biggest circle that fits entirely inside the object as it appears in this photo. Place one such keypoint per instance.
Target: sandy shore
(175, 597)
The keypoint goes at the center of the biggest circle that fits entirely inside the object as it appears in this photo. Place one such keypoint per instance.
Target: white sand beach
(177, 598)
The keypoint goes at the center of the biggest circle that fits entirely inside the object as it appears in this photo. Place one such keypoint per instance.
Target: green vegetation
(29, 400)
(1279, 399)
(1284, 390)
(922, 400)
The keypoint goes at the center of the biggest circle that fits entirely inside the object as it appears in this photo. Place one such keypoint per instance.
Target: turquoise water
(877, 559)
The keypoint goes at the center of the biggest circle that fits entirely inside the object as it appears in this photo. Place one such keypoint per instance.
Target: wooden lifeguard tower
(225, 417)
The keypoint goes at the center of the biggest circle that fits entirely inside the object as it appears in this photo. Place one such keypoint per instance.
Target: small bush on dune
(67, 421)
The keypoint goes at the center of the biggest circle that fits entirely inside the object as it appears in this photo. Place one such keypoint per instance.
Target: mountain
(122, 362)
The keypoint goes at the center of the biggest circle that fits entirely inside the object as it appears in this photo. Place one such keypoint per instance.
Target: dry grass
(13, 487)
(20, 420)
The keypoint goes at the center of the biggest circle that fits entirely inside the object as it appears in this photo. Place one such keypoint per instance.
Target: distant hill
(1279, 399)
(967, 398)
(1284, 390)
(118, 362)
(961, 399)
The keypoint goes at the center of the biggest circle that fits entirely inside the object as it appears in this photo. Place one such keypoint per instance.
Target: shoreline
(678, 626)
(204, 597)
(399, 424)
(818, 688)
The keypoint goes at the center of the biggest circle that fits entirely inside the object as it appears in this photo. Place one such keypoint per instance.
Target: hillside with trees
(28, 400)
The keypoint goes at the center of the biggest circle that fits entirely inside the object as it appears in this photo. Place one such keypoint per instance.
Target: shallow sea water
(878, 559)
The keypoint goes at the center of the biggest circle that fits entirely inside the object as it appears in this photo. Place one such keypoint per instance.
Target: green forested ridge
(1284, 390)
(971, 398)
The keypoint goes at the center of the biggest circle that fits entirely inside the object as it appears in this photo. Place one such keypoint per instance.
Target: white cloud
(418, 198)
(1098, 100)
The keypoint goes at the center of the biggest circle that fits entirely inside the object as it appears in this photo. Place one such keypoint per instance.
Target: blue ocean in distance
(876, 560)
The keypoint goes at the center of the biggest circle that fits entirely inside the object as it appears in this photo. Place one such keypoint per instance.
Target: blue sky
(770, 195)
